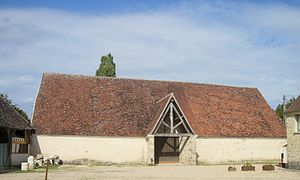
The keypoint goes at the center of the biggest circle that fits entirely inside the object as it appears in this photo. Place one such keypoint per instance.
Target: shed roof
(102, 106)
(10, 118)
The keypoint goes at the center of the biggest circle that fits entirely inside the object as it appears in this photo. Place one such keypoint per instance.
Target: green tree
(107, 67)
(19, 110)
(279, 108)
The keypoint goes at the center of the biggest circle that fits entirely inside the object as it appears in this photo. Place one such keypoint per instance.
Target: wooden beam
(182, 120)
(178, 117)
(172, 117)
(166, 124)
(10, 133)
(161, 119)
(173, 135)
(178, 124)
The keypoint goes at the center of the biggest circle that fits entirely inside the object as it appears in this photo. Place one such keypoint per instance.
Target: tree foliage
(107, 67)
(19, 110)
(279, 108)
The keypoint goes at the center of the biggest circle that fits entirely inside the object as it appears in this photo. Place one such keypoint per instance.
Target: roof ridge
(140, 79)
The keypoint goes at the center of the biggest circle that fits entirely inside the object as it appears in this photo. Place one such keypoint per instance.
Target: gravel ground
(153, 172)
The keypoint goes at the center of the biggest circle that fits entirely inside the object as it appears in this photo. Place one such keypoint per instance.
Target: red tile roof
(101, 106)
(10, 118)
(295, 106)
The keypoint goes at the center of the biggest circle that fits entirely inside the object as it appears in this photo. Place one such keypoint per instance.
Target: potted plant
(231, 168)
(248, 167)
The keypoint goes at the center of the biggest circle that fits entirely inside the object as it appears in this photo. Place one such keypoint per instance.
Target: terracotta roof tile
(10, 118)
(295, 106)
(99, 106)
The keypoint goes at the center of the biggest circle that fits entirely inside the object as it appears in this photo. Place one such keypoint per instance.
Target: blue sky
(238, 43)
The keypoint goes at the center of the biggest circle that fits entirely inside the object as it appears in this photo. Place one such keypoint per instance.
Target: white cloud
(26, 78)
(224, 44)
(277, 18)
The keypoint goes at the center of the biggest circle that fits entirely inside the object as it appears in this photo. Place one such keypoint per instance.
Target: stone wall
(293, 139)
(122, 150)
(187, 149)
(237, 150)
(150, 150)
(141, 149)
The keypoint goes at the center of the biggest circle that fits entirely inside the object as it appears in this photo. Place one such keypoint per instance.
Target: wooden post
(10, 134)
(48, 162)
(281, 160)
(8, 158)
(171, 118)
(27, 137)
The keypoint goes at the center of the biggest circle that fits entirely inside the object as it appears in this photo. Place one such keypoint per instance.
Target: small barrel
(24, 166)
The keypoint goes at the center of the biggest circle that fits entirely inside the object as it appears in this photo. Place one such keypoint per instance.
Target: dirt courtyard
(153, 172)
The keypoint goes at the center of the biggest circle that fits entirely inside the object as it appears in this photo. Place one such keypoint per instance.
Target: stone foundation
(294, 165)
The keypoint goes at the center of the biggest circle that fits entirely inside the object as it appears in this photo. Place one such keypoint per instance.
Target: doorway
(166, 150)
(3, 148)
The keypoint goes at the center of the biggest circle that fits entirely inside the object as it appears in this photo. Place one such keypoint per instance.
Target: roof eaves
(20, 116)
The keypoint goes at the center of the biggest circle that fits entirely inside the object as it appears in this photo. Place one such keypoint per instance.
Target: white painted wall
(103, 149)
(135, 149)
(224, 150)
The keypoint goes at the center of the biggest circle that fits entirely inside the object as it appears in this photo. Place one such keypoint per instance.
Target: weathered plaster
(141, 149)
(102, 149)
(187, 148)
(233, 150)
(293, 139)
(150, 150)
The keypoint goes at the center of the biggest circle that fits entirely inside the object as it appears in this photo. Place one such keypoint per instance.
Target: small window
(298, 123)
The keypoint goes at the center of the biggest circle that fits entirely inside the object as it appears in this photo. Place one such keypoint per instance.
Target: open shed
(14, 136)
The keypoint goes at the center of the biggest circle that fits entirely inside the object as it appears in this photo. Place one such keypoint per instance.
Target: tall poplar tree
(107, 67)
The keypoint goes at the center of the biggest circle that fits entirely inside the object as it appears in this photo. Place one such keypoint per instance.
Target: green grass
(39, 170)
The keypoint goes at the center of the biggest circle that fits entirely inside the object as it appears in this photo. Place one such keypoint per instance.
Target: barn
(120, 120)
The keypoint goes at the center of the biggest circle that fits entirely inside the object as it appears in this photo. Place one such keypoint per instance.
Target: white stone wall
(236, 150)
(102, 149)
(187, 148)
(141, 149)
(150, 159)
(293, 138)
